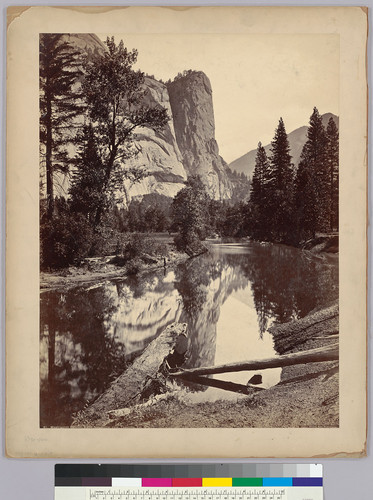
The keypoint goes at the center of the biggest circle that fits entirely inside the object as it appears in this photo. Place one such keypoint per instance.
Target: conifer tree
(59, 105)
(259, 195)
(312, 182)
(305, 202)
(280, 187)
(332, 155)
(87, 195)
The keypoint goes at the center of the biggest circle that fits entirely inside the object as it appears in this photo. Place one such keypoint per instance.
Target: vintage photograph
(189, 230)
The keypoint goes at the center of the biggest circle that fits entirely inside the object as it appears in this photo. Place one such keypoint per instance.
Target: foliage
(190, 214)
(241, 185)
(236, 220)
(136, 249)
(59, 104)
(280, 188)
(312, 200)
(332, 158)
(180, 75)
(114, 94)
(65, 238)
(151, 214)
(288, 208)
(260, 196)
(87, 194)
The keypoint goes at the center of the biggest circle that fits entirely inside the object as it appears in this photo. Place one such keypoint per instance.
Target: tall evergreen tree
(312, 182)
(280, 187)
(87, 195)
(332, 156)
(59, 105)
(259, 196)
(114, 95)
(305, 203)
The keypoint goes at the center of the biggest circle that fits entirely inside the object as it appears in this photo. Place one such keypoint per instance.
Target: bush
(139, 245)
(134, 247)
(156, 248)
(64, 240)
(189, 243)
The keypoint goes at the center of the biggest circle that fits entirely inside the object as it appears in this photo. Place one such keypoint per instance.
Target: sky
(255, 79)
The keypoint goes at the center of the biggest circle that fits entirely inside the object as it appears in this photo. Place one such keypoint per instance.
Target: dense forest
(282, 203)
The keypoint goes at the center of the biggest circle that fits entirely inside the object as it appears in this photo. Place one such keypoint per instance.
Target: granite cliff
(157, 152)
(193, 117)
(186, 146)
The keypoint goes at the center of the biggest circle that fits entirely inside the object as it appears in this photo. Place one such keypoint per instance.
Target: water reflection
(79, 356)
(228, 298)
(287, 283)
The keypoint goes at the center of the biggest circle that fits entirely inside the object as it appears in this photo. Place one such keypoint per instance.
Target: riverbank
(108, 267)
(306, 396)
(328, 243)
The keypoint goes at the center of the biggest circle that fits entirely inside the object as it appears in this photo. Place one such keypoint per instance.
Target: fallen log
(296, 334)
(124, 390)
(220, 384)
(330, 353)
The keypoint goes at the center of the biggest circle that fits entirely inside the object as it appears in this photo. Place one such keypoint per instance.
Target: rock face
(88, 43)
(157, 152)
(193, 116)
(186, 146)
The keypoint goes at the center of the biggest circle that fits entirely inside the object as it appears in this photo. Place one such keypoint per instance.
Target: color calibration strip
(207, 482)
(216, 482)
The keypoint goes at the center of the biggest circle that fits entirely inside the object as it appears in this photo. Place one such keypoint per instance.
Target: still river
(228, 297)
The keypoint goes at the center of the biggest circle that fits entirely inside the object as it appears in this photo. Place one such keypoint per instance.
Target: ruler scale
(173, 482)
(212, 494)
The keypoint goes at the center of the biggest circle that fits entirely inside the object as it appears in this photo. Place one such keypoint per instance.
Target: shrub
(64, 240)
(138, 245)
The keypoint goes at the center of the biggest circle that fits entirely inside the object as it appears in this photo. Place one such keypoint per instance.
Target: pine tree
(259, 194)
(114, 95)
(87, 195)
(280, 187)
(332, 155)
(312, 182)
(305, 202)
(59, 104)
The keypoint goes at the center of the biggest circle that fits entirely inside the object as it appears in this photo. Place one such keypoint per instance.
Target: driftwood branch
(220, 384)
(330, 353)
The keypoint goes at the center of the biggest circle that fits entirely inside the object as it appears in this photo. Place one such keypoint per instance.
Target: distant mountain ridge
(297, 139)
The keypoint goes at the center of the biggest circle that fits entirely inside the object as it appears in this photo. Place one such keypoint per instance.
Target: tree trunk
(220, 384)
(123, 391)
(329, 353)
(331, 196)
(48, 158)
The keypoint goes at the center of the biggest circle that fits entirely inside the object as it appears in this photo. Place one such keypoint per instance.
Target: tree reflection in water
(82, 356)
(288, 283)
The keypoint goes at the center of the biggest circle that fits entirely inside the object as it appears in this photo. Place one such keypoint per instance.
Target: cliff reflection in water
(89, 335)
